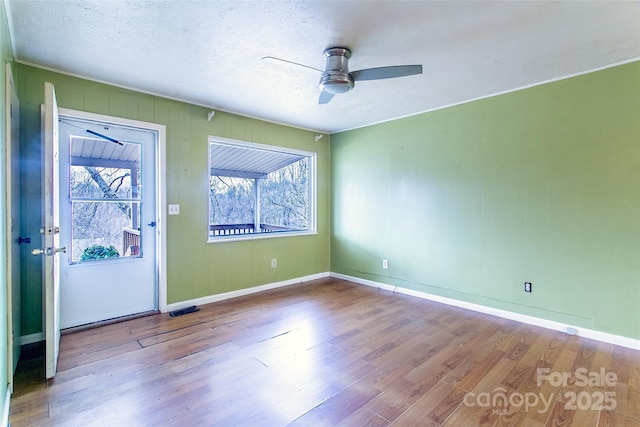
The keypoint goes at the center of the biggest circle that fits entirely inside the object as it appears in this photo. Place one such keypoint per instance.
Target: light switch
(174, 209)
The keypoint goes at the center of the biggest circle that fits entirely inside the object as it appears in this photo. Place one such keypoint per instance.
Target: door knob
(48, 251)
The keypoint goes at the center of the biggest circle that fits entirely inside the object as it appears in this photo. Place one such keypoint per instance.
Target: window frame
(313, 177)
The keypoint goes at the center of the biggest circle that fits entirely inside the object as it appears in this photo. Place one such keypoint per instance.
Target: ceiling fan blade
(325, 97)
(290, 62)
(386, 72)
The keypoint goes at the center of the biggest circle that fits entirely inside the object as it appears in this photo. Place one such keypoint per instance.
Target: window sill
(259, 236)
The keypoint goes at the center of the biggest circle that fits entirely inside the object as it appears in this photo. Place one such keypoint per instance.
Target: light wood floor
(326, 353)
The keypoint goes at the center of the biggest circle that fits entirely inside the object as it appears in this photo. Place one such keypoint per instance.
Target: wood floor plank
(30, 414)
(472, 416)
(474, 376)
(495, 375)
(398, 397)
(91, 356)
(432, 408)
(632, 402)
(337, 408)
(517, 375)
(327, 352)
(364, 418)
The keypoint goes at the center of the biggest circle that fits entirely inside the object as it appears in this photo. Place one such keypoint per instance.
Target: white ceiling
(209, 52)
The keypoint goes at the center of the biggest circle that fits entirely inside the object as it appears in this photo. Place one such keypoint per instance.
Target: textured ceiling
(209, 52)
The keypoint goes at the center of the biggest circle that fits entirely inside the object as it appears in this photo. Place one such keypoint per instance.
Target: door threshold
(106, 322)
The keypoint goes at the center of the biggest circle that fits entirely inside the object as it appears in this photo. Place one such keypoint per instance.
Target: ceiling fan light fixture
(336, 83)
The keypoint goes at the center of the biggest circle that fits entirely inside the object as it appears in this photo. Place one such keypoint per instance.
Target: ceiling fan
(336, 77)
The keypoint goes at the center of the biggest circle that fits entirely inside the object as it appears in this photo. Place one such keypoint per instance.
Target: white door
(12, 180)
(50, 230)
(108, 208)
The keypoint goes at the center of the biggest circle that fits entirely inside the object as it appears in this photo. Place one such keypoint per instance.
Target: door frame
(161, 187)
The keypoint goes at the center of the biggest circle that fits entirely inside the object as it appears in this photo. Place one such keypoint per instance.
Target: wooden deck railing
(235, 229)
(130, 242)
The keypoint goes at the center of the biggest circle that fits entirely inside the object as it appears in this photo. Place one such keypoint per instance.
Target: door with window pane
(108, 201)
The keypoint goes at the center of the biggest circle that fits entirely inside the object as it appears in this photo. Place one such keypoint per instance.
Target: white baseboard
(30, 339)
(240, 292)
(531, 320)
(4, 422)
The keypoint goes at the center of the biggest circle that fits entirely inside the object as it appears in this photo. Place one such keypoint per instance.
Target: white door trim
(161, 189)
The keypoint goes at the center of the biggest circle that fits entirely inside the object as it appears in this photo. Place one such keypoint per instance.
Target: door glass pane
(103, 183)
(104, 169)
(105, 192)
(103, 230)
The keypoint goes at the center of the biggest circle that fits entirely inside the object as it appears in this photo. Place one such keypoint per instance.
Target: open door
(12, 179)
(51, 230)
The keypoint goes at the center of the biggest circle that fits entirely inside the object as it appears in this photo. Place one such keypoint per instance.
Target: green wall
(471, 201)
(7, 56)
(195, 268)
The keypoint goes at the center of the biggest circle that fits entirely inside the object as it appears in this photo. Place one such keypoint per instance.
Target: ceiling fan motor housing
(336, 77)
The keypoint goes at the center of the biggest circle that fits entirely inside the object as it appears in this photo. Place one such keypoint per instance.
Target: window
(258, 191)
(105, 196)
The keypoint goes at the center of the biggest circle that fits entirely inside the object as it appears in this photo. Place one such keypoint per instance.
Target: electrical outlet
(527, 286)
(174, 209)
(274, 263)
(385, 264)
